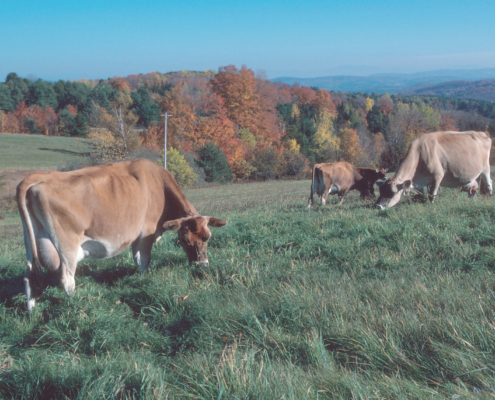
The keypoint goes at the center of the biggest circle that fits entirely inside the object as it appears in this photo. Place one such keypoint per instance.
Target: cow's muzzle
(379, 207)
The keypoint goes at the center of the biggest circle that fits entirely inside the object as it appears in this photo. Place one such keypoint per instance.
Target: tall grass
(332, 302)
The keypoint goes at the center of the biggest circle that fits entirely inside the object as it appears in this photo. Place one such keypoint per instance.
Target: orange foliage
(323, 102)
(250, 103)
(349, 145)
(10, 123)
(44, 119)
(120, 84)
(72, 109)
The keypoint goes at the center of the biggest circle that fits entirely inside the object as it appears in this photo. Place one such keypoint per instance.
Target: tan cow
(452, 159)
(98, 212)
(341, 177)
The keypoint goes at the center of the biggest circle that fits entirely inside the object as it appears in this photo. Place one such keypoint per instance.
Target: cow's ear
(404, 185)
(216, 222)
(173, 225)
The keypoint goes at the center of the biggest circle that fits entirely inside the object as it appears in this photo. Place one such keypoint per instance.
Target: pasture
(333, 302)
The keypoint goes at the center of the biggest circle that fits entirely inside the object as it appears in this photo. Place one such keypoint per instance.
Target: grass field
(333, 302)
(36, 151)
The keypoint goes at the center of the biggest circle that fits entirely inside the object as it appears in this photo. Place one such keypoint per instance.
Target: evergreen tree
(18, 87)
(81, 125)
(145, 107)
(6, 101)
(42, 94)
(67, 123)
(213, 161)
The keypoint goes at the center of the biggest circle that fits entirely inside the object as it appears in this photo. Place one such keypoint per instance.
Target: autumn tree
(349, 145)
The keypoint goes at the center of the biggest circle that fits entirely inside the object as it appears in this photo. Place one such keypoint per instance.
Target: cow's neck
(408, 167)
(177, 206)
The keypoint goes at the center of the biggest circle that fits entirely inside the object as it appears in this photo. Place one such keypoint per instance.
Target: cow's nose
(201, 264)
(378, 206)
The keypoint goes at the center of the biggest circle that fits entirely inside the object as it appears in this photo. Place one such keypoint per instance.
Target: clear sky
(100, 39)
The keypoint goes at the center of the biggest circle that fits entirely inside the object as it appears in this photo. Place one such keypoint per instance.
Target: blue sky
(99, 39)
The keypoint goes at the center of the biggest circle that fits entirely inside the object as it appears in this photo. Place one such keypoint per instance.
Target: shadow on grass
(63, 151)
(11, 287)
(107, 276)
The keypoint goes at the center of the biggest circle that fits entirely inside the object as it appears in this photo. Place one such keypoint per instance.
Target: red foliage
(302, 95)
(385, 105)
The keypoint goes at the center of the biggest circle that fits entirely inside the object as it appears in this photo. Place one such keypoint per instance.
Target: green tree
(42, 94)
(212, 159)
(81, 128)
(6, 101)
(145, 107)
(18, 87)
(67, 123)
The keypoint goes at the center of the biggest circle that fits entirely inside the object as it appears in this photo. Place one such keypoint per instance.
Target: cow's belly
(97, 248)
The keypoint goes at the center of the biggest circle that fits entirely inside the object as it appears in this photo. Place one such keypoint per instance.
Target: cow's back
(459, 155)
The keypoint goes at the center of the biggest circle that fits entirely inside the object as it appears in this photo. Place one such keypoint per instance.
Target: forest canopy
(264, 129)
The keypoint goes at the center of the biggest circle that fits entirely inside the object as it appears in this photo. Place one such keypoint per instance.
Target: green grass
(34, 151)
(333, 302)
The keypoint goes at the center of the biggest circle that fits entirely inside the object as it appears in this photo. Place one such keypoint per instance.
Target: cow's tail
(311, 194)
(33, 279)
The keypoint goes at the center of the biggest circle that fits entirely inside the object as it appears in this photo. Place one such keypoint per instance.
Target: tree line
(232, 123)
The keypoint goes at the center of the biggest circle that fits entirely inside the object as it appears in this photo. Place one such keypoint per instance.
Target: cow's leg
(324, 198)
(70, 253)
(145, 245)
(31, 301)
(68, 270)
(435, 185)
(342, 196)
(486, 176)
(136, 255)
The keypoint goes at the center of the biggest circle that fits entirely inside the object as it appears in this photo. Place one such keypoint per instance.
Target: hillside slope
(478, 90)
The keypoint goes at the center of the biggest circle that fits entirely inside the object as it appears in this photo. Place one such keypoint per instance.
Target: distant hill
(391, 83)
(478, 90)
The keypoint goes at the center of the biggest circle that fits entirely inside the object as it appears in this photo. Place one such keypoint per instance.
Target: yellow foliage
(295, 112)
(106, 149)
(292, 145)
(324, 138)
(369, 104)
(2, 118)
(178, 167)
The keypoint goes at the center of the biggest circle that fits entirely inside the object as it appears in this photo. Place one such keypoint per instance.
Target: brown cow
(452, 159)
(341, 177)
(98, 212)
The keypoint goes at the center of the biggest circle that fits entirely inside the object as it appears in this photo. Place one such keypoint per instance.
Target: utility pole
(166, 115)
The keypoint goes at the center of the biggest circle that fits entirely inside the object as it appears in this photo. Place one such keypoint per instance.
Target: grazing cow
(98, 212)
(453, 159)
(370, 176)
(341, 177)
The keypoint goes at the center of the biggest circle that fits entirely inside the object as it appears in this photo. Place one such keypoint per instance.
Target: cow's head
(194, 234)
(390, 192)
